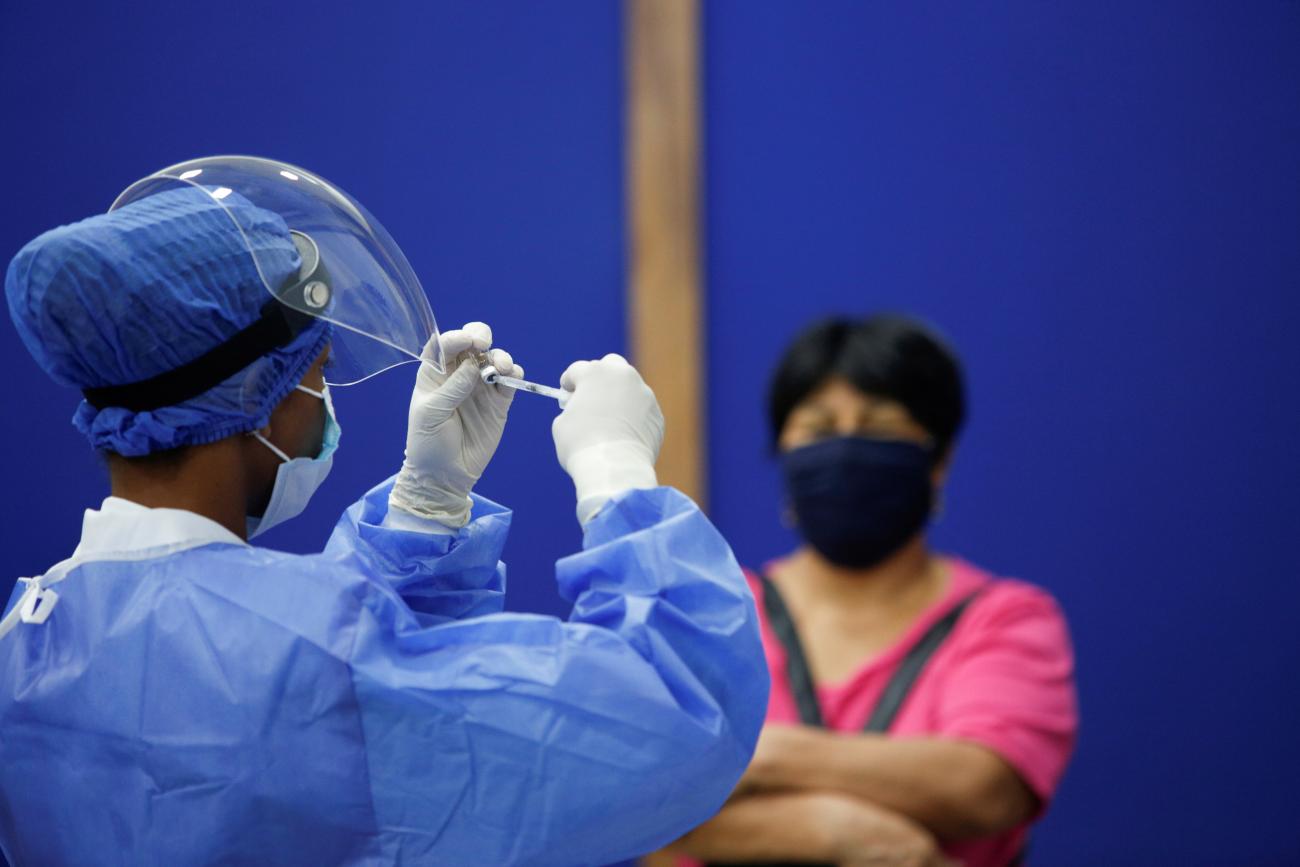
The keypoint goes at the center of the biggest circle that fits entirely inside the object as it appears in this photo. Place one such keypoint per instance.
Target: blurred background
(1098, 202)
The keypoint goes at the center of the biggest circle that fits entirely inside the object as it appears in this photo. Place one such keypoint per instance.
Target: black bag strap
(909, 670)
(805, 692)
(797, 671)
(896, 691)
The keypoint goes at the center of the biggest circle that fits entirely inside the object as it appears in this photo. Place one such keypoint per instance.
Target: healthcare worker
(173, 695)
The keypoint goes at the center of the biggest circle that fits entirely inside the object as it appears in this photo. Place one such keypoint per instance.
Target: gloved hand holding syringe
(489, 374)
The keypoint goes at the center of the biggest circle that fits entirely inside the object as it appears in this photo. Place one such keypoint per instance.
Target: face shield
(353, 275)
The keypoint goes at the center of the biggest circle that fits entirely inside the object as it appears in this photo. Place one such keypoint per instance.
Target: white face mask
(297, 479)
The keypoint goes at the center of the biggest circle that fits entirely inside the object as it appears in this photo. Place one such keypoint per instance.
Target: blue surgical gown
(372, 704)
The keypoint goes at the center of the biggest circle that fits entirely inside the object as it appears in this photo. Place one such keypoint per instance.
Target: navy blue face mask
(859, 499)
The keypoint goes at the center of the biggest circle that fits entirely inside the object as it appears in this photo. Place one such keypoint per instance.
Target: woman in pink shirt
(922, 710)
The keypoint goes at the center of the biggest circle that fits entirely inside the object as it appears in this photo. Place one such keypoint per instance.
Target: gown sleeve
(440, 576)
(521, 739)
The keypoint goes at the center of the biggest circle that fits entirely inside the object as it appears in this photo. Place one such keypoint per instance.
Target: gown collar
(121, 525)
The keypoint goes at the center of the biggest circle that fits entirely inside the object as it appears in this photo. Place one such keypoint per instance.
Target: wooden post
(665, 304)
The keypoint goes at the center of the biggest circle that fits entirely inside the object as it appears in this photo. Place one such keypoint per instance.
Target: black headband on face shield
(277, 325)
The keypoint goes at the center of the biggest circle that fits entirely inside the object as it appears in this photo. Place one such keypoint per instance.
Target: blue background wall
(1099, 203)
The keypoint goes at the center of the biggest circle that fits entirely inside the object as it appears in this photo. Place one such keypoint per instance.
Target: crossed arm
(811, 827)
(955, 789)
(861, 799)
(1016, 681)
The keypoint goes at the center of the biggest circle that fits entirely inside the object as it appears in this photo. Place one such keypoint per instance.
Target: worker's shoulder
(265, 568)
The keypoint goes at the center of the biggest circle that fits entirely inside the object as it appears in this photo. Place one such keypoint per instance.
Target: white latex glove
(608, 436)
(453, 428)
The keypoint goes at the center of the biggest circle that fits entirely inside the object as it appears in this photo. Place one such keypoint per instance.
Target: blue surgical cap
(125, 296)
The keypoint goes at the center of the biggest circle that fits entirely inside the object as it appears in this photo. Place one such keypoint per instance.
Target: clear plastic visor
(353, 274)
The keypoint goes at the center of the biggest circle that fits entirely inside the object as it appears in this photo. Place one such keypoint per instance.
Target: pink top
(1004, 678)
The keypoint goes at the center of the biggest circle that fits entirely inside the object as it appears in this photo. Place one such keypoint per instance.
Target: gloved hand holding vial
(492, 376)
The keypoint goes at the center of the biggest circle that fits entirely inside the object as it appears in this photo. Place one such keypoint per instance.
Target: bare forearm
(808, 826)
(956, 789)
(767, 827)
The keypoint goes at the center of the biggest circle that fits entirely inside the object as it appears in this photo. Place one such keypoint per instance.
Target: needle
(491, 377)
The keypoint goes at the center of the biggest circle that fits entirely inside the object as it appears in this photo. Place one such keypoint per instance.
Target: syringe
(491, 377)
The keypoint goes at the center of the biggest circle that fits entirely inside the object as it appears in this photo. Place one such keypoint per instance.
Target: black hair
(885, 355)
